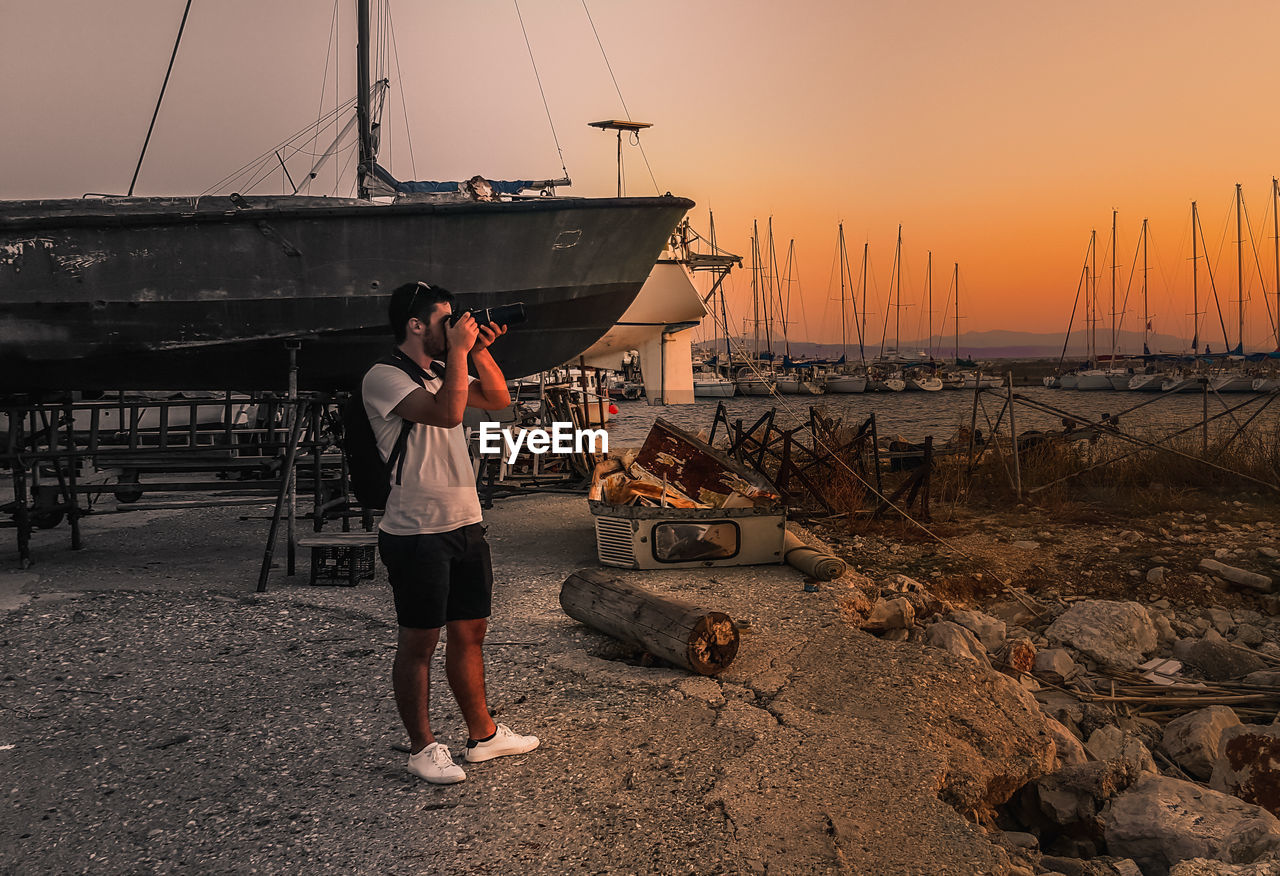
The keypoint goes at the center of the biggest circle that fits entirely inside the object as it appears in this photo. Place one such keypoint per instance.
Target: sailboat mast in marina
(1236, 379)
(928, 285)
(1146, 313)
(862, 332)
(1239, 271)
(955, 275)
(845, 379)
(1113, 288)
(1195, 283)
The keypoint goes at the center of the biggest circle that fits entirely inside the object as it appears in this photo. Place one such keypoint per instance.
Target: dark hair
(414, 300)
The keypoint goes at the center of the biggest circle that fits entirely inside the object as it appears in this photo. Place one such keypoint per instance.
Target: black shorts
(439, 577)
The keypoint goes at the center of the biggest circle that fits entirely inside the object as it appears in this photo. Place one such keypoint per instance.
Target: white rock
(1220, 619)
(1160, 821)
(1241, 577)
(890, 614)
(1194, 740)
(1112, 743)
(989, 630)
(1055, 665)
(1070, 749)
(956, 639)
(1114, 634)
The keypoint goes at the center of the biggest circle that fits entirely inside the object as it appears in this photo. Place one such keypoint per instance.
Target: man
(430, 537)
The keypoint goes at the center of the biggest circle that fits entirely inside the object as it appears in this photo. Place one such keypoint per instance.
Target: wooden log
(701, 641)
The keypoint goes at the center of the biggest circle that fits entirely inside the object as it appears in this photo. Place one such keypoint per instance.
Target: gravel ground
(156, 715)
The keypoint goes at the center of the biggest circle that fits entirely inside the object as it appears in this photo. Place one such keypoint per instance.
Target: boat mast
(1091, 301)
(770, 269)
(862, 333)
(897, 309)
(844, 326)
(786, 306)
(364, 170)
(755, 284)
(1239, 271)
(956, 277)
(1113, 288)
(928, 284)
(1195, 283)
(1146, 318)
(724, 313)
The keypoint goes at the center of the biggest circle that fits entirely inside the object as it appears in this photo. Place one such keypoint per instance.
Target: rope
(404, 109)
(538, 78)
(173, 57)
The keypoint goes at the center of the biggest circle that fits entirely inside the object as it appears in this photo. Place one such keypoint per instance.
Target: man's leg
(464, 667)
(411, 680)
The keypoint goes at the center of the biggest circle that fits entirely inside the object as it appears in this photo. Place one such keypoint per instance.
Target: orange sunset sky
(997, 133)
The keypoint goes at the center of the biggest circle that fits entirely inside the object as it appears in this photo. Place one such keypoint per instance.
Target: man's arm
(489, 392)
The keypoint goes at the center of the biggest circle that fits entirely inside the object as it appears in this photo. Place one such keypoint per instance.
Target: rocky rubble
(1191, 789)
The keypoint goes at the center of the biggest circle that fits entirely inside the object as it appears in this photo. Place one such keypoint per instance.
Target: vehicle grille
(615, 541)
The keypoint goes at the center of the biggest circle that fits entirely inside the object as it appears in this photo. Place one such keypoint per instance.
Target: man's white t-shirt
(437, 492)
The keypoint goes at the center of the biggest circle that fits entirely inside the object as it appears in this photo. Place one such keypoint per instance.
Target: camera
(503, 314)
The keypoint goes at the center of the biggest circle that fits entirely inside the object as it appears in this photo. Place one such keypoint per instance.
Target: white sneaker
(435, 764)
(503, 742)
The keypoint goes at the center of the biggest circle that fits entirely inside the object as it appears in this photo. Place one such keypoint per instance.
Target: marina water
(914, 415)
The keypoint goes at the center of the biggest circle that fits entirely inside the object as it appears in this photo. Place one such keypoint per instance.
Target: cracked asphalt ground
(158, 716)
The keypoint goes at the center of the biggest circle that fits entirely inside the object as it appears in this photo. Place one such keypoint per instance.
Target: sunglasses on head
(414, 299)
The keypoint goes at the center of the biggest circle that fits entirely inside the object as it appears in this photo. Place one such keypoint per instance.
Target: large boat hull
(163, 293)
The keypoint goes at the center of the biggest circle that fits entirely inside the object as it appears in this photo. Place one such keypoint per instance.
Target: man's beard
(432, 349)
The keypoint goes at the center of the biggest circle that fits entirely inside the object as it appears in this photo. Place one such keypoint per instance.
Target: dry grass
(1118, 473)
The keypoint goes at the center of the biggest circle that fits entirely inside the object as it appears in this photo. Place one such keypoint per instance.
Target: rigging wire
(324, 81)
(155, 114)
(538, 78)
(1209, 268)
(395, 53)
(636, 137)
(1128, 287)
(301, 133)
(1257, 260)
(1164, 275)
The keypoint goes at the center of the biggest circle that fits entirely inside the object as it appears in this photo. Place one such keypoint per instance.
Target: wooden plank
(338, 539)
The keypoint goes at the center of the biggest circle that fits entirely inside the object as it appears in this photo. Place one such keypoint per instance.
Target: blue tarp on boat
(501, 186)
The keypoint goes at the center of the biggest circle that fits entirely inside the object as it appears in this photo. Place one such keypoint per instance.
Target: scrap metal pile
(677, 470)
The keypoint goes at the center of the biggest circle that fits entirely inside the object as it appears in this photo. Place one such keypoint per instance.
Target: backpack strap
(398, 359)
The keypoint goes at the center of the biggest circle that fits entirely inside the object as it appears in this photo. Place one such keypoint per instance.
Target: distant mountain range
(1000, 344)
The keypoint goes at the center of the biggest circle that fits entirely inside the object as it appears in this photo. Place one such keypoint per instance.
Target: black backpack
(370, 474)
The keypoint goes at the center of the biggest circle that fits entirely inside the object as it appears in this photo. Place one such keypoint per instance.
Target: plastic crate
(333, 564)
